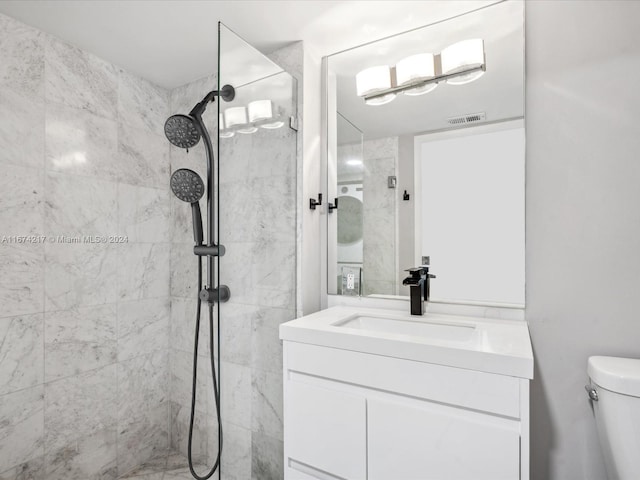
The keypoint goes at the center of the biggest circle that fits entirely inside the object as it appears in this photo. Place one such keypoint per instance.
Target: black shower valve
(210, 295)
(206, 295)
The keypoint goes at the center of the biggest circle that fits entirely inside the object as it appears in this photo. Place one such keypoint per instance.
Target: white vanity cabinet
(356, 416)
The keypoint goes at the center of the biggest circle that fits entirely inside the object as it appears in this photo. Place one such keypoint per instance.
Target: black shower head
(187, 185)
(184, 130)
(181, 131)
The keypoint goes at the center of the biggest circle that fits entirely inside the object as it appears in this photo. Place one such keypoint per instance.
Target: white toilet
(615, 391)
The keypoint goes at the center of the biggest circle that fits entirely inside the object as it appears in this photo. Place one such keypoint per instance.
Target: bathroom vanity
(377, 394)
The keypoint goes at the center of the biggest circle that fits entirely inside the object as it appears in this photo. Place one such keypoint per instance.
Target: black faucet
(419, 282)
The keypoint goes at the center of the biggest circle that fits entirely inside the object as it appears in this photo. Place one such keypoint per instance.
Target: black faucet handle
(417, 270)
(416, 276)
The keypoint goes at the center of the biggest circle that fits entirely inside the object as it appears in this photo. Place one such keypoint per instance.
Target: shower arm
(227, 94)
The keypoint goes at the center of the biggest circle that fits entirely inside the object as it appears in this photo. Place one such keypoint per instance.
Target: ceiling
(173, 42)
(499, 93)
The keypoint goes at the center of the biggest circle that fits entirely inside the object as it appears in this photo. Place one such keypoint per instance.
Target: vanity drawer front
(325, 433)
(487, 392)
(412, 439)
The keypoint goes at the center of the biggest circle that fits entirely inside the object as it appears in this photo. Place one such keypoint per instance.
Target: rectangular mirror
(425, 156)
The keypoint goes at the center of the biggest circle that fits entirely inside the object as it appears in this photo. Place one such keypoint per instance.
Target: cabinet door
(415, 440)
(325, 433)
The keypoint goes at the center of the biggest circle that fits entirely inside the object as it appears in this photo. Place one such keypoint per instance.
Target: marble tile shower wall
(83, 326)
(258, 228)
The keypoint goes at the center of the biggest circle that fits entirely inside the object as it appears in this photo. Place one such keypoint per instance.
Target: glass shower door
(257, 223)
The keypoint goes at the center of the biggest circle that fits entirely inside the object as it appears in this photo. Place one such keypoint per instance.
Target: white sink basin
(434, 331)
(488, 345)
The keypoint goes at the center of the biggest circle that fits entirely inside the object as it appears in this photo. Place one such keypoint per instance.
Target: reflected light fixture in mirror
(259, 110)
(463, 56)
(272, 126)
(248, 129)
(235, 116)
(223, 132)
(373, 80)
(414, 69)
(238, 116)
(262, 111)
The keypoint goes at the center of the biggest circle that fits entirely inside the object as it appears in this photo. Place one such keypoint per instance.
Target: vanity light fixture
(416, 69)
(354, 162)
(371, 82)
(460, 63)
(464, 59)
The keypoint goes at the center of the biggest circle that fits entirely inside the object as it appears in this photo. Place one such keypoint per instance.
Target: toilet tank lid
(620, 375)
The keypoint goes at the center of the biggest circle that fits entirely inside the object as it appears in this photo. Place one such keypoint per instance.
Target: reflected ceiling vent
(468, 118)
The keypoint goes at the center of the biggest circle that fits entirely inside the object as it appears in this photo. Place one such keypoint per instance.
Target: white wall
(406, 225)
(582, 216)
(314, 280)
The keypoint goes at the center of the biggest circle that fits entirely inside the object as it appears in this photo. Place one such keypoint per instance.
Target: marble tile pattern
(259, 190)
(143, 327)
(165, 465)
(80, 142)
(22, 423)
(21, 352)
(22, 66)
(84, 321)
(78, 79)
(96, 335)
(26, 115)
(79, 340)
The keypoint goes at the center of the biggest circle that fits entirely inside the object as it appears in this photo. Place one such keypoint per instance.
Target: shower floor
(169, 465)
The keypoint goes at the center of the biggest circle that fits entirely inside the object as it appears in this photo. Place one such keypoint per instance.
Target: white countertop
(493, 346)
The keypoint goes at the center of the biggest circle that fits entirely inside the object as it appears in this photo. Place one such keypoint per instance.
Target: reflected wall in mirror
(425, 155)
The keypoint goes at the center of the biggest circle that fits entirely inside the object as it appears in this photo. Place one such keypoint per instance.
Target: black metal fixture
(313, 203)
(189, 187)
(422, 82)
(405, 196)
(419, 287)
(333, 206)
(185, 131)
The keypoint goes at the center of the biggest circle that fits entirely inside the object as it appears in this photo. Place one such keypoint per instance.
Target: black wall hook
(405, 196)
(333, 206)
(313, 203)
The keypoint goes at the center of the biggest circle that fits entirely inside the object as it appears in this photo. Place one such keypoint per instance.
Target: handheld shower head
(181, 131)
(189, 187)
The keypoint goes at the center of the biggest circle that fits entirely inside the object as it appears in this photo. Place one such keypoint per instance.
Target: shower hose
(216, 392)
